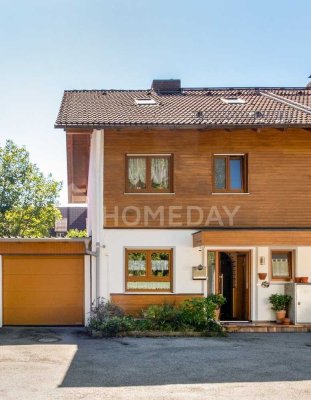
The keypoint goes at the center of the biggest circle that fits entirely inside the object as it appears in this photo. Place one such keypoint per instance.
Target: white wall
(184, 258)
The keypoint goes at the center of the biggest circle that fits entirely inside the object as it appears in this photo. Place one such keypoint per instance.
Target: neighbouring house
(73, 217)
(192, 191)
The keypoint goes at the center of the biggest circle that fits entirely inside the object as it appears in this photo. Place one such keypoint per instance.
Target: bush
(197, 313)
(164, 317)
(218, 299)
(109, 318)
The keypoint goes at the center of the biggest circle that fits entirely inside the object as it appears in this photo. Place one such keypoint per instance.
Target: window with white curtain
(149, 173)
(281, 265)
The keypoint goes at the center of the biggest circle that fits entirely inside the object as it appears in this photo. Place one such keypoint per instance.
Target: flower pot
(286, 321)
(217, 314)
(280, 315)
(262, 275)
(304, 279)
(297, 279)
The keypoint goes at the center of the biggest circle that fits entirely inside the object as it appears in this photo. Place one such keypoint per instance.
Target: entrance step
(268, 327)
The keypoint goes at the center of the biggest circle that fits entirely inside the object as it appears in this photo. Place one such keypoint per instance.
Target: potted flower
(218, 300)
(280, 303)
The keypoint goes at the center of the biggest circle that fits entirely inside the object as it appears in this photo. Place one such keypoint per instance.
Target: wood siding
(252, 238)
(78, 154)
(279, 176)
(133, 304)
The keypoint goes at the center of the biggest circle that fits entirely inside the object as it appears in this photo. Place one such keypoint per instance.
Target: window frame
(149, 188)
(149, 277)
(291, 258)
(244, 172)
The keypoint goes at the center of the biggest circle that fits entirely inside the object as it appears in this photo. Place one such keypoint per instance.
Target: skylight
(145, 102)
(232, 100)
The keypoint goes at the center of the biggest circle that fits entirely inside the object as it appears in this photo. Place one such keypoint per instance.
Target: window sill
(229, 193)
(148, 193)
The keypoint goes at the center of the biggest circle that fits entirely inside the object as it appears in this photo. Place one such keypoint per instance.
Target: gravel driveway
(64, 363)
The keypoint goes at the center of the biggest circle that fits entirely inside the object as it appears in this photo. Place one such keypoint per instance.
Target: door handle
(221, 284)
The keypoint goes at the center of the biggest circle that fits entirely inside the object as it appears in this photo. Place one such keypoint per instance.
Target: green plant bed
(193, 317)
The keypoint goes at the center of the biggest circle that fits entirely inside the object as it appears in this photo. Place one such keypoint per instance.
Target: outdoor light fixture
(262, 260)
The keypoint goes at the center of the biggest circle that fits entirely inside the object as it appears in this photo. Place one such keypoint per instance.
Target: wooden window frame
(149, 188)
(291, 258)
(244, 172)
(149, 277)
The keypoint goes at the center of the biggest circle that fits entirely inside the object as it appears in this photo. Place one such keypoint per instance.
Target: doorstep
(268, 327)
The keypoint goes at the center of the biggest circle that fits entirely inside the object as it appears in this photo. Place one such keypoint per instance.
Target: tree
(27, 197)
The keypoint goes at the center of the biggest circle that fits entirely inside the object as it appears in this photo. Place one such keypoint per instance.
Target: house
(73, 217)
(192, 191)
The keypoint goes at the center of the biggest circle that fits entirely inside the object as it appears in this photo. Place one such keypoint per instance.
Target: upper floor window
(230, 173)
(149, 173)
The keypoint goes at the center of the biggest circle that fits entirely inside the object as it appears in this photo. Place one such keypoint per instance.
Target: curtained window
(148, 270)
(149, 173)
(281, 268)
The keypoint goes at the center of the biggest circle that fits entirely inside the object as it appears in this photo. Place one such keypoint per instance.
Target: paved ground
(66, 364)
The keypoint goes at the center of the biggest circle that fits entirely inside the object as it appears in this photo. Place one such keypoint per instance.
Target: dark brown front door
(233, 283)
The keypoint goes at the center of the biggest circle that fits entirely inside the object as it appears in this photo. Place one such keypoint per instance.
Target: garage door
(43, 290)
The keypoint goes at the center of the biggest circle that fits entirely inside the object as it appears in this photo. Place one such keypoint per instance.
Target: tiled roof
(203, 107)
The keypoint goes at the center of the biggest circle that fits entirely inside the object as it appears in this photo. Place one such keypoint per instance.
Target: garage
(43, 283)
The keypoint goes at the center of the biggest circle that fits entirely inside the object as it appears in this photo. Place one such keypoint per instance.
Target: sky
(47, 46)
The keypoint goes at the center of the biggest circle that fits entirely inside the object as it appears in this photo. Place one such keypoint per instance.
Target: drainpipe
(97, 264)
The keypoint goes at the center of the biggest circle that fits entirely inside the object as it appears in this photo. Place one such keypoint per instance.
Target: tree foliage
(27, 197)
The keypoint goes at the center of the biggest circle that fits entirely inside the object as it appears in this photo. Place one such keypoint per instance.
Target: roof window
(145, 102)
(232, 100)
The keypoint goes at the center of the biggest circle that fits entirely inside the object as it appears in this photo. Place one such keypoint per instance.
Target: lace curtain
(160, 173)
(137, 173)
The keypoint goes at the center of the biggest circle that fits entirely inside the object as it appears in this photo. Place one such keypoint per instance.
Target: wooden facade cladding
(265, 237)
(279, 177)
(78, 154)
(133, 304)
(32, 246)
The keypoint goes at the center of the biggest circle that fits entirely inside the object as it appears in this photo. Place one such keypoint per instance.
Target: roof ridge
(216, 88)
(288, 102)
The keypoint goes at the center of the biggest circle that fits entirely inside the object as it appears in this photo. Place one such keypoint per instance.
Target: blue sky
(49, 46)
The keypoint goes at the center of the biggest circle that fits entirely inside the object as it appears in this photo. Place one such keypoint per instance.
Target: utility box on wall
(300, 307)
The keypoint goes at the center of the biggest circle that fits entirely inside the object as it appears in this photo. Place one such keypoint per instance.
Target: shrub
(197, 313)
(218, 299)
(162, 317)
(109, 318)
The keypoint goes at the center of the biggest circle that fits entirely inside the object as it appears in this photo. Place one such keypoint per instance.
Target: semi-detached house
(192, 191)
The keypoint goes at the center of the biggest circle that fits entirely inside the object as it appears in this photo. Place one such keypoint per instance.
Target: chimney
(308, 86)
(166, 85)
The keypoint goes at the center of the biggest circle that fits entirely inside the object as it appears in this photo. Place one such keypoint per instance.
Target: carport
(44, 281)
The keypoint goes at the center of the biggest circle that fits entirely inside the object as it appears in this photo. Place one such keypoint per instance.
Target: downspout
(97, 265)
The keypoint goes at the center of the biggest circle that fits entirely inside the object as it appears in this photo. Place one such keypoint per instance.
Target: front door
(232, 280)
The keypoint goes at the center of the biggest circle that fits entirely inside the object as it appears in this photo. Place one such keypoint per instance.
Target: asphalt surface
(64, 363)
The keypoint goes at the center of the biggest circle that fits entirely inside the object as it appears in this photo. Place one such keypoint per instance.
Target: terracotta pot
(262, 275)
(297, 279)
(304, 279)
(280, 315)
(286, 321)
(217, 314)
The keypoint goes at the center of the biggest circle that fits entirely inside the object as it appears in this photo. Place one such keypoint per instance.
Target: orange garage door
(43, 290)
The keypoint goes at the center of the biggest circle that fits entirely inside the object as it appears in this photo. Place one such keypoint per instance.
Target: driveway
(64, 363)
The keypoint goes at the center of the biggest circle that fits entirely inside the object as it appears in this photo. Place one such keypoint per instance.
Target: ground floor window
(281, 265)
(148, 270)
